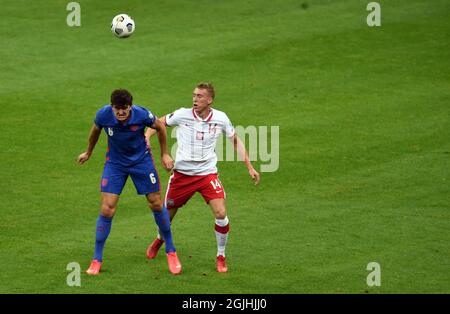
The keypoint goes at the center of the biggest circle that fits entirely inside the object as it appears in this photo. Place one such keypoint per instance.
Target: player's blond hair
(209, 87)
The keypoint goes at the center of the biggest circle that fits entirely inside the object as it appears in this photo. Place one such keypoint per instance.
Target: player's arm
(94, 134)
(243, 154)
(160, 128)
(150, 132)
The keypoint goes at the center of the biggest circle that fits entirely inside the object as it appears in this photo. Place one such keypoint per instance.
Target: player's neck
(204, 113)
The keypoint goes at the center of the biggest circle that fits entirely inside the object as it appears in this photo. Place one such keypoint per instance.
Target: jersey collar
(208, 117)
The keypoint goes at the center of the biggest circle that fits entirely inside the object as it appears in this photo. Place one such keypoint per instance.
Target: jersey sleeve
(149, 118)
(99, 119)
(228, 128)
(173, 119)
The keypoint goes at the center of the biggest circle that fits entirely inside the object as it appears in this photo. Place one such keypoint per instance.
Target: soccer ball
(122, 26)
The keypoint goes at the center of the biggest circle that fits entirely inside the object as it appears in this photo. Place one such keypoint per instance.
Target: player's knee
(155, 205)
(108, 210)
(221, 213)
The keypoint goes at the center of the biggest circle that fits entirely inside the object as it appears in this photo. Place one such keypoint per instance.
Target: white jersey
(196, 138)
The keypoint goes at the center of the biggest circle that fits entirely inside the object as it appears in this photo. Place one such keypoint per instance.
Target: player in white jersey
(195, 168)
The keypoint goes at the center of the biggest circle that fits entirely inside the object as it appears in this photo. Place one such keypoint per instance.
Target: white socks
(222, 228)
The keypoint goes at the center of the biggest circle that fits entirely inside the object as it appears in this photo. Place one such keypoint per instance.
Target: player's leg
(102, 230)
(113, 181)
(153, 248)
(163, 221)
(221, 229)
(180, 189)
(162, 218)
(146, 180)
(214, 194)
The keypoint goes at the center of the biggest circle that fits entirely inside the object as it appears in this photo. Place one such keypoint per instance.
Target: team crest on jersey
(170, 202)
(134, 127)
(200, 135)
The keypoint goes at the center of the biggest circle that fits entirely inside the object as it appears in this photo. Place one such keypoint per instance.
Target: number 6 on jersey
(152, 178)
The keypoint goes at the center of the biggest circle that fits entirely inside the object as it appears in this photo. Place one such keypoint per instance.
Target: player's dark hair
(121, 98)
(209, 87)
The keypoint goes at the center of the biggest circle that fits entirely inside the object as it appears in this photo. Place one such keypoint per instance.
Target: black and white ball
(122, 26)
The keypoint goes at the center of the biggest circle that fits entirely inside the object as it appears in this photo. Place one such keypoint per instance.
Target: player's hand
(255, 175)
(83, 158)
(167, 162)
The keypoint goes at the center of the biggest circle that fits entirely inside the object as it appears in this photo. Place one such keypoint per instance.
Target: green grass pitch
(363, 114)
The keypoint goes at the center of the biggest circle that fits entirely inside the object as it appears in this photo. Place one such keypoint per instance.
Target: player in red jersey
(195, 168)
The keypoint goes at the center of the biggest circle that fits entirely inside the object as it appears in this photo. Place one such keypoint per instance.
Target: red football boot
(153, 248)
(221, 264)
(174, 263)
(94, 268)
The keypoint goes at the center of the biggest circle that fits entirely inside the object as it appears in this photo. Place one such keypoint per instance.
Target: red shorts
(181, 187)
